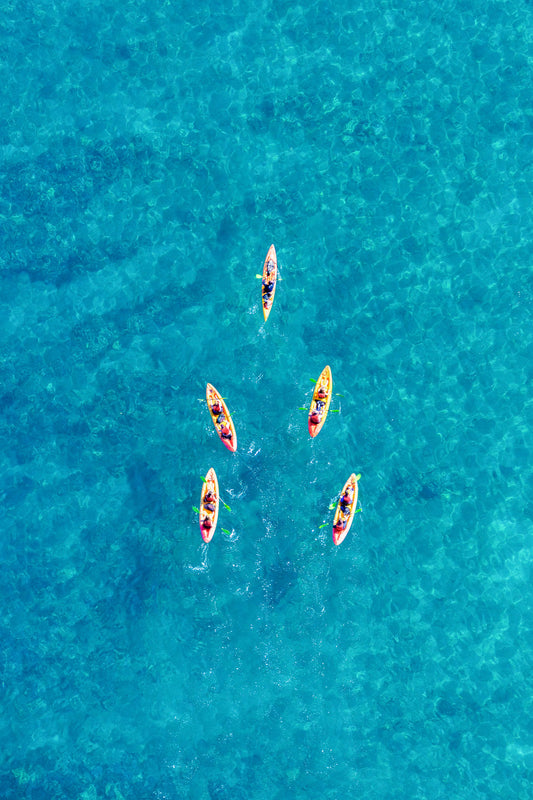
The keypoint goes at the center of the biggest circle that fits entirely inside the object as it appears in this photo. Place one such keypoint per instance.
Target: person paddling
(346, 501)
(209, 500)
(225, 431)
(314, 417)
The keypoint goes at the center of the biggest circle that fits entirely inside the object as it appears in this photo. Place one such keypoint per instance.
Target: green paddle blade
(225, 505)
(357, 477)
(335, 411)
(225, 530)
(312, 380)
(196, 509)
(323, 525)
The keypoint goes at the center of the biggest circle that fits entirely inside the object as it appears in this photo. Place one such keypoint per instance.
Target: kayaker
(216, 407)
(346, 500)
(207, 524)
(209, 500)
(321, 394)
(269, 286)
(339, 526)
(225, 432)
(270, 266)
(221, 419)
(316, 413)
(314, 417)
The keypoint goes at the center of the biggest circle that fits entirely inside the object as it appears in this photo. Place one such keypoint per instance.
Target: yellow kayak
(209, 503)
(345, 510)
(320, 402)
(270, 276)
(221, 418)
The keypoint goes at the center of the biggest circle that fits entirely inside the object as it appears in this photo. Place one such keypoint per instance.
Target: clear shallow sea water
(150, 153)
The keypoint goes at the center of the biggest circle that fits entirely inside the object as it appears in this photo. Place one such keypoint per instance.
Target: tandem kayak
(209, 503)
(344, 513)
(268, 285)
(320, 402)
(221, 418)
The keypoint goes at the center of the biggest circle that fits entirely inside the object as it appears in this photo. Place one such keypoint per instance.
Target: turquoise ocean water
(150, 152)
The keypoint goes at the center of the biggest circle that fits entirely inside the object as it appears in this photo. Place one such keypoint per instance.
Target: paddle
(331, 410)
(279, 278)
(333, 506)
(202, 399)
(225, 530)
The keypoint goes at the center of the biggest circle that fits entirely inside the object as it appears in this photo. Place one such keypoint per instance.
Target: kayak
(320, 402)
(270, 275)
(221, 418)
(209, 507)
(346, 513)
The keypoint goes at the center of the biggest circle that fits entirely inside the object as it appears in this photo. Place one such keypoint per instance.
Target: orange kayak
(270, 276)
(209, 503)
(320, 402)
(221, 418)
(344, 512)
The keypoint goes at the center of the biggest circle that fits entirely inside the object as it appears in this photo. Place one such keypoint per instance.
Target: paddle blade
(196, 509)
